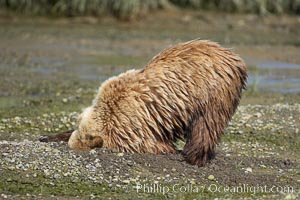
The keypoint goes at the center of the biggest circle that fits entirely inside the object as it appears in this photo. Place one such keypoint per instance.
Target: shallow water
(48, 59)
(277, 65)
(279, 77)
(275, 76)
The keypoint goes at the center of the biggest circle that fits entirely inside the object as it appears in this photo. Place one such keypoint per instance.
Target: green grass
(130, 9)
(245, 6)
(122, 9)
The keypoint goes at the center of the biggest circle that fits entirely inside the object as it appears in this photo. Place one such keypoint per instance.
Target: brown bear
(188, 91)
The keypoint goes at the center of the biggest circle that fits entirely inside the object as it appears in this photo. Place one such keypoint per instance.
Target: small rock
(248, 170)
(46, 172)
(126, 181)
(120, 154)
(93, 151)
(17, 118)
(65, 174)
(56, 176)
(211, 177)
(258, 115)
(290, 196)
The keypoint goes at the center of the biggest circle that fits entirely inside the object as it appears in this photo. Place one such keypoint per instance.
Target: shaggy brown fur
(189, 91)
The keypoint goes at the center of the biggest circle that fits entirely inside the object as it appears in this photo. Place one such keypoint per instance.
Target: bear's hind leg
(201, 143)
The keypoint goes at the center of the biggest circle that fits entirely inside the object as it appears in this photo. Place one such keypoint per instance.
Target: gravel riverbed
(259, 149)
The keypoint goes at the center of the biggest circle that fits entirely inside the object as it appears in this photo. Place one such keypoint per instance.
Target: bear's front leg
(65, 136)
(84, 142)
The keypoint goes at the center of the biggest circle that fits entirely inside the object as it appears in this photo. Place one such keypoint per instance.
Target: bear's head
(87, 134)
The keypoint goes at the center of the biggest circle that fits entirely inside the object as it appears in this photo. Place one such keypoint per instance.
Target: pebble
(120, 154)
(258, 115)
(4, 120)
(248, 170)
(93, 151)
(211, 177)
(290, 197)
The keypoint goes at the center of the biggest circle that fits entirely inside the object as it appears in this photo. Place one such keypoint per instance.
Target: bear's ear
(94, 141)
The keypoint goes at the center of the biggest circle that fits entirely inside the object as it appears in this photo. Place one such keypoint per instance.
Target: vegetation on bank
(129, 9)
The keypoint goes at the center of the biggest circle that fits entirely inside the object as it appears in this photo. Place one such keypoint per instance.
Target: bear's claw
(44, 138)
